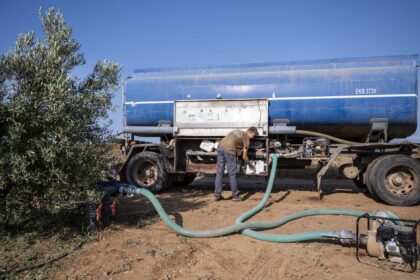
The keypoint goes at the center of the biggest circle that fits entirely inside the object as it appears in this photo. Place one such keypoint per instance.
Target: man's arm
(245, 155)
(245, 152)
(246, 158)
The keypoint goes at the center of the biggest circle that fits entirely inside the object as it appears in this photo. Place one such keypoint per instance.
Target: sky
(143, 34)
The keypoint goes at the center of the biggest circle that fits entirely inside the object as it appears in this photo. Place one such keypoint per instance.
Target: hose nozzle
(344, 236)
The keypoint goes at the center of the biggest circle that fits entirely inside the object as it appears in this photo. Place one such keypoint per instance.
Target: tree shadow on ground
(251, 185)
(139, 212)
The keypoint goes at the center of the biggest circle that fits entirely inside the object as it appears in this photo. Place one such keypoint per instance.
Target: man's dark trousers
(226, 158)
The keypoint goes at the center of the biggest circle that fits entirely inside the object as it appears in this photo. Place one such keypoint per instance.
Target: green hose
(332, 138)
(248, 228)
(304, 236)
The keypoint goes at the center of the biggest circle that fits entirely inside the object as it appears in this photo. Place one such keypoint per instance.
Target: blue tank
(336, 96)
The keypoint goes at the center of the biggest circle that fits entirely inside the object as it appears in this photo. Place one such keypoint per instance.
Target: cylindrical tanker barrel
(339, 97)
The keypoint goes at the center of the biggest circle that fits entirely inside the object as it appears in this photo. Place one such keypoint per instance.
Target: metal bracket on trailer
(378, 130)
(323, 168)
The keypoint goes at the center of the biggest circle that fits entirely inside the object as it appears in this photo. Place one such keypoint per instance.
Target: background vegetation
(52, 126)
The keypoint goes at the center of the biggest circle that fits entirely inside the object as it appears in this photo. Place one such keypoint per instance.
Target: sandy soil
(139, 246)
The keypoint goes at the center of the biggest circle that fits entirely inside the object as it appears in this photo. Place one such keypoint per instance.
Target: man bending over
(235, 144)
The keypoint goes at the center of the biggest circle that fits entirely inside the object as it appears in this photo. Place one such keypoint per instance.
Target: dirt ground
(139, 246)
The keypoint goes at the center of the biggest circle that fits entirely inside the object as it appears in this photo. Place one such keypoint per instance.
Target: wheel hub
(147, 173)
(397, 180)
(400, 181)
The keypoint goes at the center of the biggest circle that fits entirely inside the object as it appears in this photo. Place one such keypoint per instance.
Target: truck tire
(367, 174)
(395, 179)
(147, 170)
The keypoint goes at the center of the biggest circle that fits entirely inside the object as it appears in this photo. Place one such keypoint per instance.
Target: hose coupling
(127, 190)
(344, 236)
(382, 214)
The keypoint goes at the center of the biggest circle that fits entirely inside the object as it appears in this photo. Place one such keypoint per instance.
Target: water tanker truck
(353, 114)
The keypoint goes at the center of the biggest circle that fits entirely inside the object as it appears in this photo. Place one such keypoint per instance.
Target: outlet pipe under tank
(169, 130)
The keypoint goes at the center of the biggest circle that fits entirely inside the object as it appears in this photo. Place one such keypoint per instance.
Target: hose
(332, 138)
(312, 235)
(248, 228)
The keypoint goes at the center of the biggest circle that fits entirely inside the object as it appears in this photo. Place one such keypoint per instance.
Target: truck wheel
(395, 179)
(367, 174)
(183, 179)
(147, 170)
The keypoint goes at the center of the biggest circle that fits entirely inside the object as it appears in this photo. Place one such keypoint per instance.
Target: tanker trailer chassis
(188, 146)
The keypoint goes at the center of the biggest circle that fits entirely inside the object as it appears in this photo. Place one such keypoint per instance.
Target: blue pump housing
(336, 96)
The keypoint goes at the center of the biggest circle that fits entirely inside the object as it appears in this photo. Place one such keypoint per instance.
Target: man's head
(252, 132)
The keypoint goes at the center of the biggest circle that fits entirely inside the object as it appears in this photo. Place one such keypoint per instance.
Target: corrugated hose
(250, 228)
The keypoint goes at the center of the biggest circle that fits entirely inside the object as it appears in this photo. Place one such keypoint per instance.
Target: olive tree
(53, 125)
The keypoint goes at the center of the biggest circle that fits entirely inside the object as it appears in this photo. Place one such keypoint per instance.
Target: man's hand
(247, 161)
(251, 165)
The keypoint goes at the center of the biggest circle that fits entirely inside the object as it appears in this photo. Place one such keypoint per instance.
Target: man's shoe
(236, 198)
(218, 197)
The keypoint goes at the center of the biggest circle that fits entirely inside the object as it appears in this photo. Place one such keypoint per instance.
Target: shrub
(53, 125)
